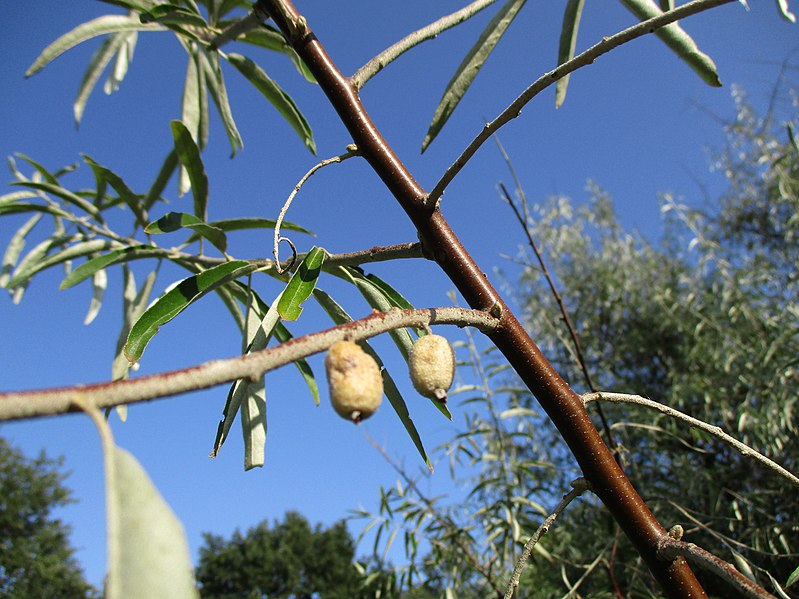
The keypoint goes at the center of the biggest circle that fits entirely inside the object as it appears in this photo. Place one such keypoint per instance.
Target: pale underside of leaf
(86, 31)
(470, 66)
(678, 40)
(568, 42)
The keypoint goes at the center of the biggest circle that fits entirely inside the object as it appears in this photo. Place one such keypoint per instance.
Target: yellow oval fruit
(356, 386)
(432, 366)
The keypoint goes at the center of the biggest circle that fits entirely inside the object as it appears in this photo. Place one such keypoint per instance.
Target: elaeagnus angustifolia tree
(153, 561)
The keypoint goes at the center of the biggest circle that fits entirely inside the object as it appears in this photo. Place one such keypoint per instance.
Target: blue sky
(630, 122)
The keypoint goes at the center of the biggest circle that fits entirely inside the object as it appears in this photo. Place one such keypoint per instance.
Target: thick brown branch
(563, 405)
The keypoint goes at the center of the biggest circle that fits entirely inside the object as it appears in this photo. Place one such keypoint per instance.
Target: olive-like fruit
(432, 366)
(356, 385)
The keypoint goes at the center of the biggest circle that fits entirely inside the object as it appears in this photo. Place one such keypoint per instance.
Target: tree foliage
(290, 559)
(36, 559)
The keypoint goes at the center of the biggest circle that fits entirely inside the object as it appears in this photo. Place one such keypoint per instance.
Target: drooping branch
(716, 431)
(561, 403)
(49, 402)
(390, 54)
(589, 56)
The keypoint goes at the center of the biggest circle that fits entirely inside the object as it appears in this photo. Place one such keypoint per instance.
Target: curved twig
(48, 402)
(716, 431)
(606, 45)
(352, 150)
(579, 487)
(390, 54)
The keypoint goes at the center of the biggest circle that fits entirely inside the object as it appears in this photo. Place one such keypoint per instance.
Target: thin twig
(716, 431)
(580, 486)
(352, 150)
(390, 54)
(670, 548)
(588, 570)
(578, 348)
(606, 45)
(48, 402)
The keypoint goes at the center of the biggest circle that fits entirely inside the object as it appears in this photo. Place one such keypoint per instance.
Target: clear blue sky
(630, 122)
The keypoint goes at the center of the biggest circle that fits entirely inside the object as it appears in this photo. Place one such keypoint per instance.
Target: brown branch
(589, 56)
(671, 548)
(49, 402)
(561, 403)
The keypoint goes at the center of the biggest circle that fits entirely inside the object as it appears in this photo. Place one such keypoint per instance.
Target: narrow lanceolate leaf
(253, 424)
(216, 85)
(86, 31)
(122, 62)
(271, 39)
(161, 180)
(301, 285)
(339, 316)
(568, 42)
(195, 98)
(782, 5)
(134, 302)
(276, 96)
(46, 174)
(258, 332)
(678, 40)
(176, 300)
(85, 248)
(172, 14)
(99, 285)
(173, 221)
(15, 247)
(99, 61)
(239, 224)
(65, 195)
(126, 254)
(189, 156)
(133, 201)
(379, 299)
(470, 66)
(793, 578)
(148, 555)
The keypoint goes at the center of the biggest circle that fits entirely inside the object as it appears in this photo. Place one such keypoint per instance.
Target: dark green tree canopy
(36, 559)
(290, 559)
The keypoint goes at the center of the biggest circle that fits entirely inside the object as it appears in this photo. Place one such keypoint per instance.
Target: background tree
(290, 559)
(704, 321)
(36, 559)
